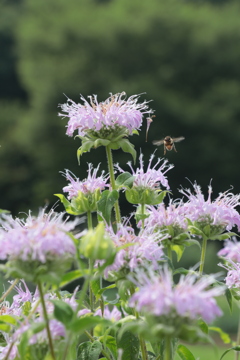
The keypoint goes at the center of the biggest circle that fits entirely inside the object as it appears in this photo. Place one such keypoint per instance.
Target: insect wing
(178, 139)
(158, 142)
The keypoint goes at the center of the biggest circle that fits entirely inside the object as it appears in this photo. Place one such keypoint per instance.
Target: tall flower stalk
(112, 182)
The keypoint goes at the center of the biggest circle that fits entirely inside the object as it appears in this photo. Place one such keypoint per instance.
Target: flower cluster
(231, 255)
(115, 112)
(134, 250)
(38, 238)
(220, 213)
(189, 299)
(89, 185)
(152, 178)
(165, 216)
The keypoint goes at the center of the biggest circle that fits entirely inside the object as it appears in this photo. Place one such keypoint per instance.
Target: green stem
(46, 319)
(112, 182)
(168, 348)
(91, 297)
(143, 213)
(9, 290)
(89, 220)
(142, 342)
(9, 351)
(80, 300)
(203, 254)
(238, 340)
(169, 252)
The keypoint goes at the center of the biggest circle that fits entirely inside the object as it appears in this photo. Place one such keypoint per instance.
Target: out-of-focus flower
(231, 250)
(102, 118)
(134, 250)
(38, 240)
(233, 275)
(112, 315)
(189, 299)
(210, 216)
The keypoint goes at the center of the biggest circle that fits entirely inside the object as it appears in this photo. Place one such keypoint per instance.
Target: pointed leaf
(128, 147)
(68, 207)
(228, 295)
(224, 336)
(178, 250)
(184, 353)
(106, 203)
(101, 142)
(63, 312)
(224, 236)
(129, 343)
(110, 343)
(72, 275)
(87, 322)
(124, 179)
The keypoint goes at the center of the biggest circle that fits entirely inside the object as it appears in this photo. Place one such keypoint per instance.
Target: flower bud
(96, 244)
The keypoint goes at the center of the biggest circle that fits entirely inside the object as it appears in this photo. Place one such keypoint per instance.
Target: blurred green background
(184, 54)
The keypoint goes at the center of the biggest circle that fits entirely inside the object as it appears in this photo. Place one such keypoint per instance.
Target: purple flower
(152, 177)
(115, 112)
(233, 275)
(143, 248)
(87, 186)
(113, 315)
(221, 212)
(231, 250)
(190, 298)
(162, 217)
(38, 238)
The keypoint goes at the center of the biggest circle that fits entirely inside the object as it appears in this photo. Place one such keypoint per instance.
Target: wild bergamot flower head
(101, 118)
(37, 243)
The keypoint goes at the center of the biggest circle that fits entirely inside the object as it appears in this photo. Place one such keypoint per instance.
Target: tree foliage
(184, 54)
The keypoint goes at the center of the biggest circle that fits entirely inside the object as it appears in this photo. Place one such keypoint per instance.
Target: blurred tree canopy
(184, 54)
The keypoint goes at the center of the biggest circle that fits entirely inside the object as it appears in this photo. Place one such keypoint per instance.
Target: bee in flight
(168, 143)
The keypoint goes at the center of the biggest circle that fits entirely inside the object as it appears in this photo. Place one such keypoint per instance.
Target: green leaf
(87, 144)
(87, 322)
(101, 291)
(203, 326)
(110, 343)
(236, 348)
(106, 203)
(89, 351)
(95, 286)
(68, 207)
(62, 311)
(101, 142)
(129, 343)
(4, 211)
(224, 236)
(4, 327)
(128, 147)
(178, 250)
(184, 353)
(8, 319)
(228, 295)
(224, 336)
(72, 275)
(22, 347)
(124, 179)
